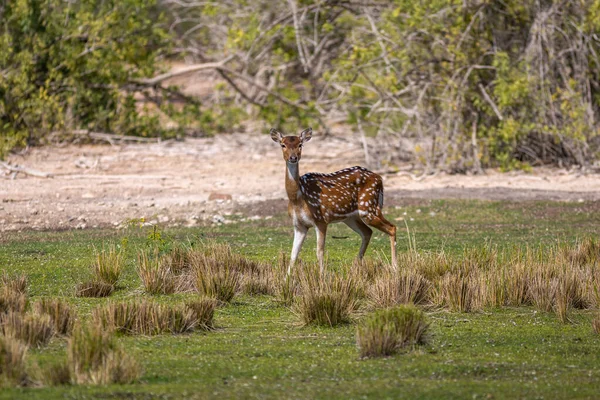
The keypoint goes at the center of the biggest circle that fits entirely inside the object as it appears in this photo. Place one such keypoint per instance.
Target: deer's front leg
(321, 234)
(299, 236)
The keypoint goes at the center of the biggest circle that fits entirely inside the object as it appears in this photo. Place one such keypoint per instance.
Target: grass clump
(94, 289)
(386, 331)
(12, 362)
(458, 292)
(203, 312)
(155, 273)
(12, 300)
(392, 288)
(150, 318)
(56, 373)
(108, 264)
(326, 299)
(94, 357)
(259, 280)
(17, 282)
(59, 311)
(31, 329)
(216, 274)
(596, 324)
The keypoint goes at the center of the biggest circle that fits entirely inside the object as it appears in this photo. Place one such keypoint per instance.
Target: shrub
(93, 289)
(60, 312)
(17, 283)
(148, 318)
(94, 357)
(12, 361)
(326, 299)
(155, 273)
(12, 300)
(386, 331)
(32, 329)
(108, 264)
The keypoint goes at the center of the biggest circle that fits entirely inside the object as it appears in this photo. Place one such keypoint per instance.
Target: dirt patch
(208, 180)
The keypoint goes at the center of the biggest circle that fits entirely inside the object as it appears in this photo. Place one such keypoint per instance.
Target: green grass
(260, 351)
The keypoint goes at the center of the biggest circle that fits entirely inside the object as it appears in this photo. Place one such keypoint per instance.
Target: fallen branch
(108, 137)
(27, 171)
(187, 70)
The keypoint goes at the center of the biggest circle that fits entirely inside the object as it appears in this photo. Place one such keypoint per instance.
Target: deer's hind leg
(358, 226)
(379, 222)
(369, 211)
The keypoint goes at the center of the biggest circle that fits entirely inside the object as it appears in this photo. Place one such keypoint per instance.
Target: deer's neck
(292, 182)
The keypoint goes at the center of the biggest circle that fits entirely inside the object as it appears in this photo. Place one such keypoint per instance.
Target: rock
(219, 196)
(218, 219)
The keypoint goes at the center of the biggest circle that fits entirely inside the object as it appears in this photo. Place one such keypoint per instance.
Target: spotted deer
(353, 196)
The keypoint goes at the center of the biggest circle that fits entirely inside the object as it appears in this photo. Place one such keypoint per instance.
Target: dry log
(15, 169)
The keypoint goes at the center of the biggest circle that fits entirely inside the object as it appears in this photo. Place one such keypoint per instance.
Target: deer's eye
(283, 146)
(300, 146)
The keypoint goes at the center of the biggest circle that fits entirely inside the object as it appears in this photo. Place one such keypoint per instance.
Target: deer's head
(291, 146)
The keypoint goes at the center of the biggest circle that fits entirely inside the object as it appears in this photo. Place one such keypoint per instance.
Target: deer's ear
(305, 135)
(276, 135)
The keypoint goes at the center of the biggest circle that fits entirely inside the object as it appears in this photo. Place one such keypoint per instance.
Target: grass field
(260, 350)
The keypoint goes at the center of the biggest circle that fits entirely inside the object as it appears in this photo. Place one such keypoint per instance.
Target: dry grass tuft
(203, 312)
(155, 273)
(94, 289)
(216, 274)
(12, 300)
(596, 324)
(260, 280)
(94, 357)
(326, 299)
(178, 259)
(108, 264)
(392, 288)
(12, 362)
(56, 373)
(516, 281)
(542, 289)
(458, 292)
(17, 283)
(60, 312)
(31, 329)
(147, 318)
(585, 252)
(386, 331)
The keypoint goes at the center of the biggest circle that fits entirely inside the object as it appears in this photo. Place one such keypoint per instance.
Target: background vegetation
(455, 85)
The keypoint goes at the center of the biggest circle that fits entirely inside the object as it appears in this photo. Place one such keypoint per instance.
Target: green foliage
(70, 65)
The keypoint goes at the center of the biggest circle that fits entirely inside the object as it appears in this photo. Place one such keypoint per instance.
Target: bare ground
(208, 180)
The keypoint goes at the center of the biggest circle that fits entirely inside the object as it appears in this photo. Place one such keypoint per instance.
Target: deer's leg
(299, 236)
(321, 233)
(379, 222)
(364, 231)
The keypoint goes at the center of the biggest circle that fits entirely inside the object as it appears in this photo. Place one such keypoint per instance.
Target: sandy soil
(209, 180)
